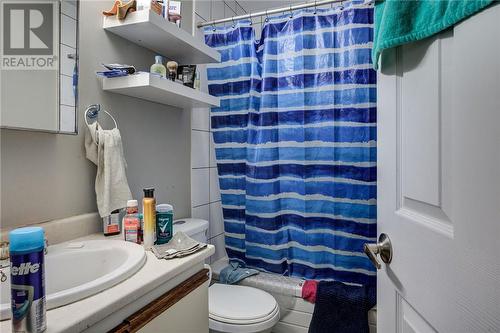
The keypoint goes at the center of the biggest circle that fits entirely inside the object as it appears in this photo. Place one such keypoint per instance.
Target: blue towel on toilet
(235, 272)
(342, 308)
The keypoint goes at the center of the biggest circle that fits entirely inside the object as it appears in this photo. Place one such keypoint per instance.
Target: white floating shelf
(152, 31)
(160, 90)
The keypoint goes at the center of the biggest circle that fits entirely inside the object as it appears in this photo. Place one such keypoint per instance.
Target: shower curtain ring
(291, 13)
(315, 8)
(267, 17)
(341, 5)
(232, 19)
(250, 14)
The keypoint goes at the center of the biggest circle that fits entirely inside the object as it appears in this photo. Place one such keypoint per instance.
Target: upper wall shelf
(152, 31)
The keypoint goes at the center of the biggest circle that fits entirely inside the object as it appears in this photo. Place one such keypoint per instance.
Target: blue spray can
(27, 278)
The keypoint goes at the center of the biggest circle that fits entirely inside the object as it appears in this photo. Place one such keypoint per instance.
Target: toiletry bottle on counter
(131, 223)
(164, 223)
(149, 212)
(111, 223)
(27, 279)
(158, 67)
(141, 227)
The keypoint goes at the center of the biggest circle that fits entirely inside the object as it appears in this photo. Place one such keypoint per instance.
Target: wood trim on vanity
(139, 319)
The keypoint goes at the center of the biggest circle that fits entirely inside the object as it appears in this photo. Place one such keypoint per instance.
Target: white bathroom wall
(205, 194)
(253, 6)
(69, 39)
(46, 176)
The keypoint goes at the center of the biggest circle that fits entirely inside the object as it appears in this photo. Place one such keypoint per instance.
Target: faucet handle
(4, 250)
(4, 254)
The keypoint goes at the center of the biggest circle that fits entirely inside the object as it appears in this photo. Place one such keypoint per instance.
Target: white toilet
(233, 308)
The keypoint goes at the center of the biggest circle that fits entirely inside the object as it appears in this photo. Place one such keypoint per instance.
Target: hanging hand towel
(90, 143)
(111, 185)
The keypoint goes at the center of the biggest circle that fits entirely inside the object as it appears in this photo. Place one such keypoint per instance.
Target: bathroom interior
(249, 166)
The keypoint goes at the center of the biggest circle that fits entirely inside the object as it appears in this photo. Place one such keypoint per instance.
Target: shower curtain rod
(268, 12)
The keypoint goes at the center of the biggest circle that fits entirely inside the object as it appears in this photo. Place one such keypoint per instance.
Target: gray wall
(46, 176)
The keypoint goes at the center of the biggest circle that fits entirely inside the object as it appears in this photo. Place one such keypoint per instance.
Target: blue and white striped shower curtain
(295, 142)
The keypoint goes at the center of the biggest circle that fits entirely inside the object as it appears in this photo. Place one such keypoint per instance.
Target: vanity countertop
(86, 313)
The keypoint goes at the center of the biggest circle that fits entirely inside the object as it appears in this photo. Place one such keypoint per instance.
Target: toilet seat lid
(239, 303)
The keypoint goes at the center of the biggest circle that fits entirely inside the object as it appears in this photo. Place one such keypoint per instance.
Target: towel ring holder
(92, 112)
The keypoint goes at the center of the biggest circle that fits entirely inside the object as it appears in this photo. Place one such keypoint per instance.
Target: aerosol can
(27, 278)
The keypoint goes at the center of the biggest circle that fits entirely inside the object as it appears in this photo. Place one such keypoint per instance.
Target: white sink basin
(77, 270)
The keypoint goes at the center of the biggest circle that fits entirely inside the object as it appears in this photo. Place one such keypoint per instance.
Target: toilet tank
(195, 228)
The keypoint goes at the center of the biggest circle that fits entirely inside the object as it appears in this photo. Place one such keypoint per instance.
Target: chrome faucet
(4, 255)
(4, 250)
(3, 276)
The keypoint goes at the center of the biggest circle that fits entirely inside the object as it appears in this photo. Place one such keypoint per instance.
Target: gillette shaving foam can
(27, 279)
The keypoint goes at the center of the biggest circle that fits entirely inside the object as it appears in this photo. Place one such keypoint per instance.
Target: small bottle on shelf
(172, 70)
(197, 81)
(158, 67)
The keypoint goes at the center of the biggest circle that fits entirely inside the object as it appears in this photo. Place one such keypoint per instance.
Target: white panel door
(439, 181)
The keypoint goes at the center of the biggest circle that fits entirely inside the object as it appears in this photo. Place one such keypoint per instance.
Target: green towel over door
(399, 22)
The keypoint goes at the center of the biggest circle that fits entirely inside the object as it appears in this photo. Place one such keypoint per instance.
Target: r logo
(28, 28)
